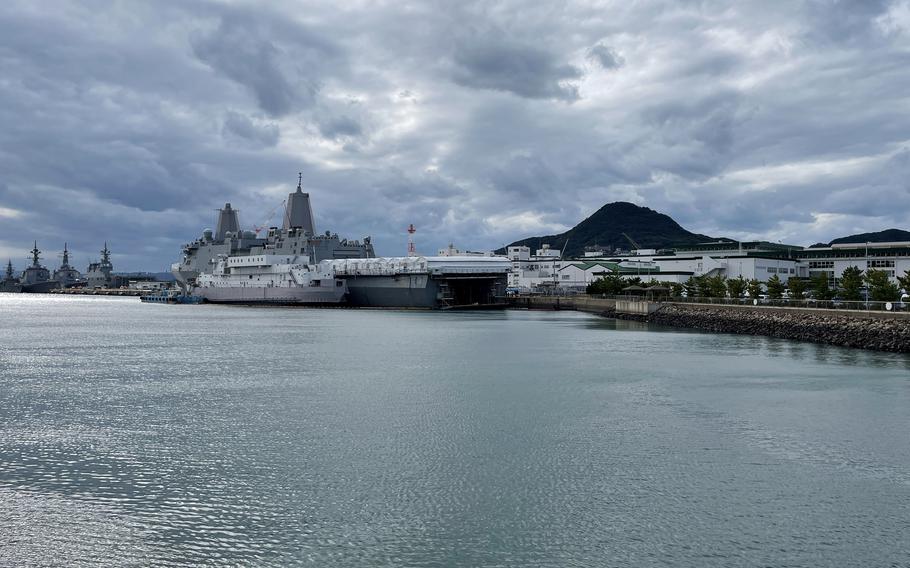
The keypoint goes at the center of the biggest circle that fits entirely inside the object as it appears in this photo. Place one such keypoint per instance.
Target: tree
(775, 287)
(754, 288)
(676, 289)
(736, 287)
(691, 287)
(704, 289)
(881, 289)
(797, 288)
(717, 286)
(905, 281)
(634, 281)
(610, 284)
(851, 283)
(820, 287)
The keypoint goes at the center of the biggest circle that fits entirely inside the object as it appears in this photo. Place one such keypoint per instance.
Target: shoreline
(873, 331)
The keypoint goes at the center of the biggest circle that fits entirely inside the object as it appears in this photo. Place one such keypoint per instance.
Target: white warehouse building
(893, 258)
(760, 260)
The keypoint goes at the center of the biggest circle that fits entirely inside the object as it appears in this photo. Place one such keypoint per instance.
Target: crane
(269, 216)
(634, 244)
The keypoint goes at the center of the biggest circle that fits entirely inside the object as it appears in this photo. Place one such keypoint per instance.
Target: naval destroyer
(36, 279)
(10, 283)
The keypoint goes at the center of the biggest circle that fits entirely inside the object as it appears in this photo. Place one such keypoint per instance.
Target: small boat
(170, 297)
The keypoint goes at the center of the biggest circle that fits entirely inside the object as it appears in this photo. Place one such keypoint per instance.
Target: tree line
(849, 288)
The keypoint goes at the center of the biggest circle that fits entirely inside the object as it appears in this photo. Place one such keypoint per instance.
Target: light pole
(867, 272)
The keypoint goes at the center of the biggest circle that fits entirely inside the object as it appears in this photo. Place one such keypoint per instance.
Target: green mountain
(886, 236)
(606, 226)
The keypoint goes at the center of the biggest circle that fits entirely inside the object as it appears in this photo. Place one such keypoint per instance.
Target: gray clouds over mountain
(480, 122)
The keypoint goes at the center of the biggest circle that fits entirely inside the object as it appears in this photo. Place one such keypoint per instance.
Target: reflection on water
(182, 435)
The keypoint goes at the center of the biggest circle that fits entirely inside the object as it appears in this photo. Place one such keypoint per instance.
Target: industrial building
(893, 258)
(760, 260)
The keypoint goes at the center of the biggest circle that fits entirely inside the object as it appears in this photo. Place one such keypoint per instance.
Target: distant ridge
(886, 236)
(606, 226)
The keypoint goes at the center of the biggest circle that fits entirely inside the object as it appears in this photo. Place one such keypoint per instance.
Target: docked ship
(36, 279)
(231, 265)
(295, 265)
(100, 274)
(269, 279)
(10, 283)
(66, 275)
(435, 282)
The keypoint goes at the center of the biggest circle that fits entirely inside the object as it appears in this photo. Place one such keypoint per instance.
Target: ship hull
(416, 291)
(40, 287)
(10, 287)
(283, 296)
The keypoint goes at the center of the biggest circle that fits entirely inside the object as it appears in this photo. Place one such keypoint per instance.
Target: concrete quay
(880, 331)
(96, 292)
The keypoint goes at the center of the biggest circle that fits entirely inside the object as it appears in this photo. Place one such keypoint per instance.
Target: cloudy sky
(479, 122)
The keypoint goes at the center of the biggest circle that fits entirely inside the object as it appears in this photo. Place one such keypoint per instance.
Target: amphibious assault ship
(231, 265)
(294, 265)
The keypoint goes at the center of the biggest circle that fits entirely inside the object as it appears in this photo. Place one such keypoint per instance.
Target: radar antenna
(36, 254)
(412, 250)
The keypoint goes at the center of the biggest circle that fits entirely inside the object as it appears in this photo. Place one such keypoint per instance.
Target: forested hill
(606, 226)
(886, 236)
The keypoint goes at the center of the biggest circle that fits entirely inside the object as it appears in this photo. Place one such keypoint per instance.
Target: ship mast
(9, 269)
(412, 250)
(66, 257)
(105, 254)
(35, 255)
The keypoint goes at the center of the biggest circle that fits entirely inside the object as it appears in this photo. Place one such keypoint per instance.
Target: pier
(97, 292)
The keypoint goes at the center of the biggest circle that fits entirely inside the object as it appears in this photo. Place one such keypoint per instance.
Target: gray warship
(231, 265)
(66, 275)
(294, 265)
(10, 283)
(36, 279)
(100, 274)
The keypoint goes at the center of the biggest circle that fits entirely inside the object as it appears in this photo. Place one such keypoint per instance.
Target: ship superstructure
(270, 279)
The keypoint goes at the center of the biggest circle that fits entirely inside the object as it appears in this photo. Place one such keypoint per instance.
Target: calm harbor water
(151, 435)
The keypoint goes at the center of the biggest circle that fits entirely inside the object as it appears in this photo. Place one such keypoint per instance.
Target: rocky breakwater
(881, 332)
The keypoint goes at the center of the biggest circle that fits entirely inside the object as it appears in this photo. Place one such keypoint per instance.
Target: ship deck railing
(399, 272)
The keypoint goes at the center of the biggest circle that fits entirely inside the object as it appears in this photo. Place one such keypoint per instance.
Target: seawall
(864, 330)
(880, 331)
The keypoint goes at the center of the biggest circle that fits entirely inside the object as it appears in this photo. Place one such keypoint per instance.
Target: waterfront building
(576, 275)
(759, 260)
(536, 272)
(452, 250)
(892, 257)
(760, 268)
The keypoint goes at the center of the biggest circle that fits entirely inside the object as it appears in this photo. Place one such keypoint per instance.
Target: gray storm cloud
(479, 122)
